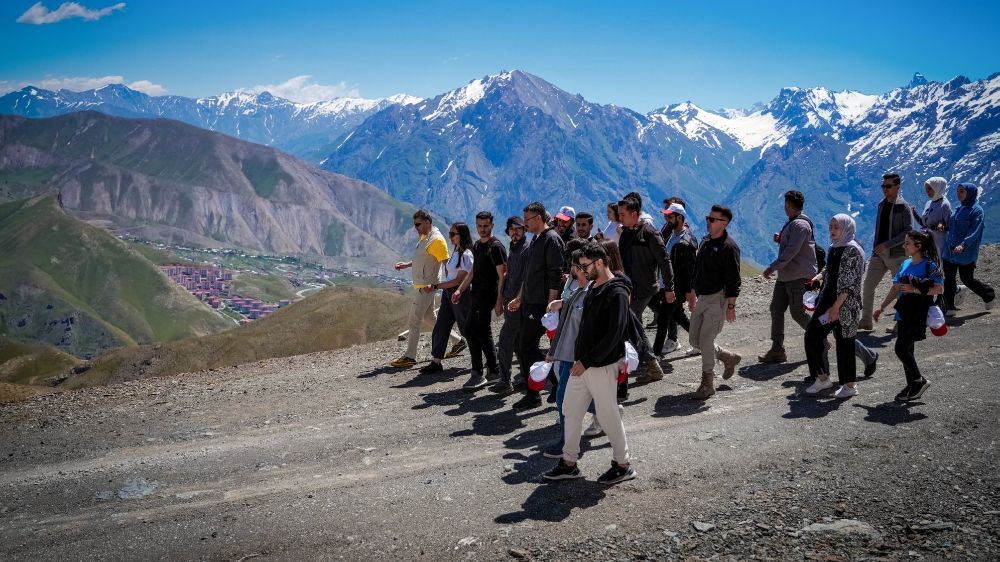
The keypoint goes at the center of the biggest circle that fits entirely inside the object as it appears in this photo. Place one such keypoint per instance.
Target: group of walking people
(600, 282)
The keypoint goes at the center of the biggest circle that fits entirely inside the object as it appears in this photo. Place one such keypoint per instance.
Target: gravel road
(331, 456)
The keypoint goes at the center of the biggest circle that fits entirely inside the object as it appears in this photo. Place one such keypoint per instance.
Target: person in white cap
(564, 223)
(681, 249)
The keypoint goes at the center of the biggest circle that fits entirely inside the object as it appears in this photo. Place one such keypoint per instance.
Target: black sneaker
(563, 471)
(870, 369)
(918, 388)
(551, 399)
(502, 388)
(809, 378)
(528, 402)
(492, 375)
(617, 474)
(431, 368)
(904, 394)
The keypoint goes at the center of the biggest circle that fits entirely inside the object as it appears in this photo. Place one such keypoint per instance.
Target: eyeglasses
(526, 219)
(714, 219)
(584, 266)
(452, 233)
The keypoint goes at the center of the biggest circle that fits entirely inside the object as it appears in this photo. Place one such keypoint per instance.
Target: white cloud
(40, 15)
(81, 83)
(303, 89)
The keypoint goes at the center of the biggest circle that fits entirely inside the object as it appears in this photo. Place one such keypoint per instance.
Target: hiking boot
(502, 388)
(651, 371)
(773, 356)
(918, 388)
(492, 375)
(617, 473)
(527, 402)
(563, 471)
(845, 392)
(475, 382)
(730, 360)
(870, 369)
(403, 362)
(707, 387)
(456, 349)
(594, 430)
(431, 368)
(820, 385)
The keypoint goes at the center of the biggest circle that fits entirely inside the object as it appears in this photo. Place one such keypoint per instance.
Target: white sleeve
(466, 263)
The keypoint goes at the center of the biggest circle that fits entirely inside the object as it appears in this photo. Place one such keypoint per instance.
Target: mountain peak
(917, 80)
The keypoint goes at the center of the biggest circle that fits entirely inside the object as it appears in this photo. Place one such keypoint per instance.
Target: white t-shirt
(454, 265)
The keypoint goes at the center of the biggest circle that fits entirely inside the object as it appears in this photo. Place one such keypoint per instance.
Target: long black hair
(928, 249)
(464, 238)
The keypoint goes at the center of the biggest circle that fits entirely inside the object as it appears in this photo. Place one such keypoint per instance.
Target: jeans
(449, 315)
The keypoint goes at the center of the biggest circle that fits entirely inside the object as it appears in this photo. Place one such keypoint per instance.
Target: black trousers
(528, 351)
(816, 356)
(670, 316)
(904, 350)
(967, 273)
(479, 334)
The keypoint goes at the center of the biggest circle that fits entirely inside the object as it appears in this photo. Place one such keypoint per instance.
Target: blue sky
(640, 55)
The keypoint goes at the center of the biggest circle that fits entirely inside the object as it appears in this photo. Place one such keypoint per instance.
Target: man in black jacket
(543, 268)
(717, 284)
(645, 259)
(682, 248)
(600, 345)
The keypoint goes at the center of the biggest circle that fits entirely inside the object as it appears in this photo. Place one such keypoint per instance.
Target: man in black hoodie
(600, 345)
(543, 268)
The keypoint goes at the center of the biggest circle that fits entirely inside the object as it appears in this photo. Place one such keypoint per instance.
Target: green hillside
(333, 318)
(73, 286)
(26, 363)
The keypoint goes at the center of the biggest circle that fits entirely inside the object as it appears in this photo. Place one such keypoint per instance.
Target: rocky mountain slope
(164, 180)
(75, 287)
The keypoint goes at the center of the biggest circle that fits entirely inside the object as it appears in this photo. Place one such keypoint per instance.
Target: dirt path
(330, 456)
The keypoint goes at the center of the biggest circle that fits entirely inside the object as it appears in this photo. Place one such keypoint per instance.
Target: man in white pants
(600, 345)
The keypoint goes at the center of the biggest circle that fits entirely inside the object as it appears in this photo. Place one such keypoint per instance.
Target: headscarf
(971, 194)
(938, 185)
(847, 230)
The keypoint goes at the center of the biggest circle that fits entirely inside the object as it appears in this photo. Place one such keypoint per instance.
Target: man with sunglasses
(717, 285)
(543, 268)
(429, 255)
(894, 219)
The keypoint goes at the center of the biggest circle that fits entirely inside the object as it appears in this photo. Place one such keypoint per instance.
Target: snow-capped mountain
(301, 129)
(504, 140)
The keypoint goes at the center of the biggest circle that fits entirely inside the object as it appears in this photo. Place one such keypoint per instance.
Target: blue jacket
(965, 228)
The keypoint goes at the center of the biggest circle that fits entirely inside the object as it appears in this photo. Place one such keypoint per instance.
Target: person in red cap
(564, 223)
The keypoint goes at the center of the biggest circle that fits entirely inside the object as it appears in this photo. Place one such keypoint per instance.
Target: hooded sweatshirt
(937, 211)
(601, 339)
(965, 228)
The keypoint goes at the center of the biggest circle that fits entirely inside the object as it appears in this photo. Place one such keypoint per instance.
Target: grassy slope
(268, 288)
(54, 267)
(330, 319)
(24, 363)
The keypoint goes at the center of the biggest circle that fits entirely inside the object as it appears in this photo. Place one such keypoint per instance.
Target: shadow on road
(678, 405)
(383, 370)
(423, 381)
(959, 320)
(813, 407)
(892, 413)
(766, 371)
(550, 501)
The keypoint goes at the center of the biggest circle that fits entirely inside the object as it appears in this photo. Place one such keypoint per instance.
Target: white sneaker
(595, 428)
(692, 351)
(845, 392)
(819, 386)
(669, 347)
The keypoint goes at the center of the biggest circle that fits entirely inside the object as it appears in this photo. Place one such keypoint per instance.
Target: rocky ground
(333, 456)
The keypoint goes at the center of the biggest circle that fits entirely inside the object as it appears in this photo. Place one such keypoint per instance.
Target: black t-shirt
(884, 226)
(488, 255)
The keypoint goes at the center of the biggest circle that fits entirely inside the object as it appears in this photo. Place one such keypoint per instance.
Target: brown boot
(707, 387)
(651, 371)
(729, 360)
(773, 356)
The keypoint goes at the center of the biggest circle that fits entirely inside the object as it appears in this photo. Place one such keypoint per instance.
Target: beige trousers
(423, 313)
(599, 384)
(707, 320)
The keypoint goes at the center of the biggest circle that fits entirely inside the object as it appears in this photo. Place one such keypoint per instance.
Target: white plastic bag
(935, 318)
(809, 300)
(631, 358)
(550, 320)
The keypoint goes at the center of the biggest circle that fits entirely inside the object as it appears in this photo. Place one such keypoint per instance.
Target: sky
(640, 55)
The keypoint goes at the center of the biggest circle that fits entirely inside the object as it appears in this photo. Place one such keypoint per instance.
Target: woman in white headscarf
(838, 310)
(937, 210)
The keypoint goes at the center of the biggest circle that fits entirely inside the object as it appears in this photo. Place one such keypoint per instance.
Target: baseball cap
(566, 213)
(674, 208)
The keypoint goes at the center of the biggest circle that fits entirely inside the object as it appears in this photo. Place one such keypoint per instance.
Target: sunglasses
(452, 233)
(584, 266)
(884, 186)
(714, 219)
